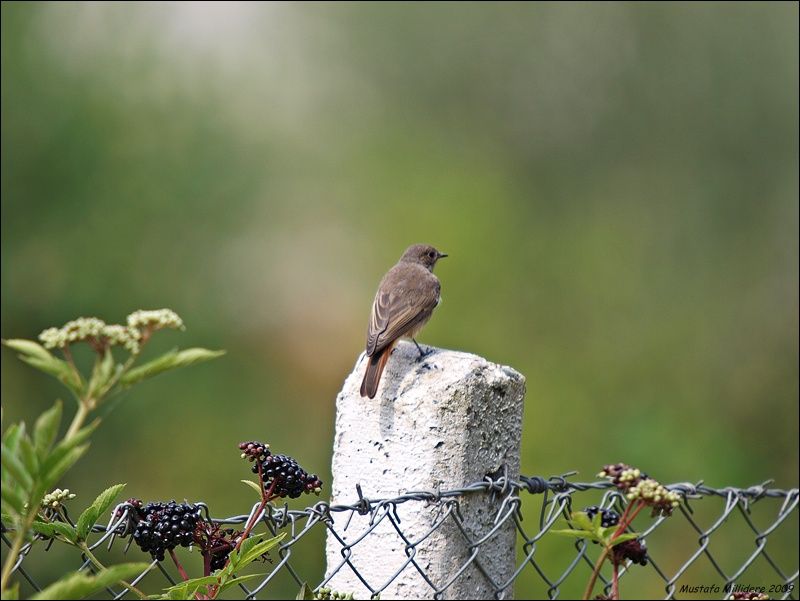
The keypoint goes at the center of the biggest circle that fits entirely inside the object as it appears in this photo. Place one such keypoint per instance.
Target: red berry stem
(206, 564)
(265, 498)
(626, 520)
(595, 573)
(615, 580)
(178, 565)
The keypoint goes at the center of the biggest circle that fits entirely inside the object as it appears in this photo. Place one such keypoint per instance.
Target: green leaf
(52, 529)
(188, 588)
(79, 437)
(29, 348)
(10, 444)
(623, 538)
(54, 472)
(255, 551)
(597, 522)
(573, 533)
(582, 521)
(46, 429)
(66, 445)
(101, 504)
(12, 435)
(252, 549)
(80, 585)
(179, 591)
(305, 593)
(13, 465)
(171, 360)
(13, 499)
(66, 531)
(193, 582)
(59, 369)
(234, 581)
(253, 485)
(28, 455)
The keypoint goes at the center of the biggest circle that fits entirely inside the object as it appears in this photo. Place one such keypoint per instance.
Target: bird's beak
(442, 255)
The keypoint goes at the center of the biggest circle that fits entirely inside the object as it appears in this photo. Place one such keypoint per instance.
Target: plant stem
(595, 573)
(92, 400)
(11, 559)
(624, 517)
(70, 360)
(627, 519)
(16, 547)
(178, 565)
(615, 580)
(78, 420)
(96, 562)
(265, 498)
(207, 564)
(115, 380)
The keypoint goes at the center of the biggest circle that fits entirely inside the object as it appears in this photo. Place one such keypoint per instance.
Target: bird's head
(424, 254)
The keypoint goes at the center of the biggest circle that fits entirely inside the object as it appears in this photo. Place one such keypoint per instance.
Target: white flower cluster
(156, 320)
(654, 494)
(631, 474)
(76, 330)
(101, 334)
(55, 499)
(123, 335)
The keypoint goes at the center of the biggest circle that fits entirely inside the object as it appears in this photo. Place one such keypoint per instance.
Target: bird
(406, 298)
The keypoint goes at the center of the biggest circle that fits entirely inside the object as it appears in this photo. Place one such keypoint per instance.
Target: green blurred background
(616, 185)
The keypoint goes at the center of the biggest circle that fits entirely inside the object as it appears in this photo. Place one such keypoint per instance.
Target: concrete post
(436, 424)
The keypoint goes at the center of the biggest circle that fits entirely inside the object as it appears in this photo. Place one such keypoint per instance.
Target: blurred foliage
(616, 185)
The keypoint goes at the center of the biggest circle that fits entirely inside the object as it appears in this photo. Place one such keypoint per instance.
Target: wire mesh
(690, 563)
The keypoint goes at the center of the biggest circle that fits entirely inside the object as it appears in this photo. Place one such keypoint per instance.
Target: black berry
(163, 526)
(283, 475)
(610, 517)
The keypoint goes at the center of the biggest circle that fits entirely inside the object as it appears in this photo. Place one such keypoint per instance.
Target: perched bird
(405, 300)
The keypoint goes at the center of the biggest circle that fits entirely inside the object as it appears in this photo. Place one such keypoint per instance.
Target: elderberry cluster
(609, 516)
(163, 526)
(289, 479)
(280, 474)
(633, 549)
(254, 450)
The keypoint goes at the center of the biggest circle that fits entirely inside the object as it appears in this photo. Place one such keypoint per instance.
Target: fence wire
(760, 511)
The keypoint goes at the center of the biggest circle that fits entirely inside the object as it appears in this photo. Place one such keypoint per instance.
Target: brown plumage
(406, 298)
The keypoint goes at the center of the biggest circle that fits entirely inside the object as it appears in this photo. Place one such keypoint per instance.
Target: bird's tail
(372, 377)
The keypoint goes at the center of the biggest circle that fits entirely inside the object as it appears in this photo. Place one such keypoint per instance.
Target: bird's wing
(397, 308)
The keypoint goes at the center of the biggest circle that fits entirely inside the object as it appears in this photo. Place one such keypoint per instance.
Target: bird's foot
(422, 354)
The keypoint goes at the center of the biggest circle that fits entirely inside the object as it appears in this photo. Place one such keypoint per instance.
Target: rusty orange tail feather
(372, 377)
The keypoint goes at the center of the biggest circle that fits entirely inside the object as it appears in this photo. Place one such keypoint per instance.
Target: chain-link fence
(719, 541)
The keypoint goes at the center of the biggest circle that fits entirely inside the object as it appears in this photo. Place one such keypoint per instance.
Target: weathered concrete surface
(439, 423)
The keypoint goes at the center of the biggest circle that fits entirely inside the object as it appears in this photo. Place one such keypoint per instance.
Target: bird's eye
(432, 254)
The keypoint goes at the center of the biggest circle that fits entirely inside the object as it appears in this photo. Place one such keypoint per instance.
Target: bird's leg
(422, 354)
